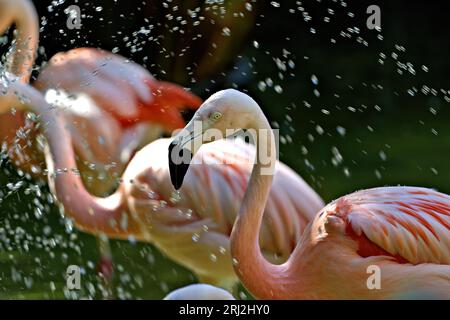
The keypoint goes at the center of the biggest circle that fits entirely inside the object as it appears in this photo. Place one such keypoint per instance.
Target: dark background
(396, 126)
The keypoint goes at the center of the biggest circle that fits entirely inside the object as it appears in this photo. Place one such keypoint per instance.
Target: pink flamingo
(94, 86)
(90, 86)
(192, 228)
(401, 231)
(134, 107)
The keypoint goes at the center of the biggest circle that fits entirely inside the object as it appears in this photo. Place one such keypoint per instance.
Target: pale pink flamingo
(193, 229)
(90, 86)
(403, 231)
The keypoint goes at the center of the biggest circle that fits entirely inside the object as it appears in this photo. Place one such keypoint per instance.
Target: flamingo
(402, 231)
(90, 86)
(199, 291)
(192, 228)
(93, 85)
(96, 85)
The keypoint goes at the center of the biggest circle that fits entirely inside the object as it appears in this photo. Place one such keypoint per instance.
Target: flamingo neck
(96, 215)
(260, 277)
(27, 38)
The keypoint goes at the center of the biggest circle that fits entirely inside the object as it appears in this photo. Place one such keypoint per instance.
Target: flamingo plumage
(117, 85)
(404, 231)
(193, 230)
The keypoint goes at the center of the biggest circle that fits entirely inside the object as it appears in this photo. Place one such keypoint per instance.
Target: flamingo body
(405, 231)
(117, 85)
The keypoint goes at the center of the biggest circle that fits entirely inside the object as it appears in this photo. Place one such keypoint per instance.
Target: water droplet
(226, 31)
(195, 237)
(262, 86)
(162, 203)
(175, 197)
(275, 4)
(341, 130)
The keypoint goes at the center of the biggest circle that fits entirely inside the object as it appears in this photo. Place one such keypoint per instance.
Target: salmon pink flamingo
(95, 86)
(90, 86)
(193, 228)
(403, 232)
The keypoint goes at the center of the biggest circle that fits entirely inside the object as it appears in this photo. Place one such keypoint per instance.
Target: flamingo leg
(105, 267)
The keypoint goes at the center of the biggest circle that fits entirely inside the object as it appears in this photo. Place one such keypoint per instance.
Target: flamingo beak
(181, 152)
(178, 169)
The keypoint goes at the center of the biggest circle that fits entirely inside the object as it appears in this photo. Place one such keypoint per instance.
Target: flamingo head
(222, 115)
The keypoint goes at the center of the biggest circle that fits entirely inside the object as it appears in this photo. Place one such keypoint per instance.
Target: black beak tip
(179, 160)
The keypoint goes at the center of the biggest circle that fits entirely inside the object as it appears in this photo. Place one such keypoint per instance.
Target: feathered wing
(407, 222)
(213, 191)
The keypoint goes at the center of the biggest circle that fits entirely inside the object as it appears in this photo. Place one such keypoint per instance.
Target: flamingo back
(408, 223)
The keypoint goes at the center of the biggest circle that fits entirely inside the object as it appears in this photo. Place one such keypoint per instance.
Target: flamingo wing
(411, 224)
(119, 86)
(215, 185)
(115, 83)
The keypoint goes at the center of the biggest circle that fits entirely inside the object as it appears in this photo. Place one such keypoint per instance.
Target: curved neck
(258, 275)
(96, 215)
(24, 15)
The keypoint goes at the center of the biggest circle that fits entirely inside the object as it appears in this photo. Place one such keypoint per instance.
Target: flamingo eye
(215, 116)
